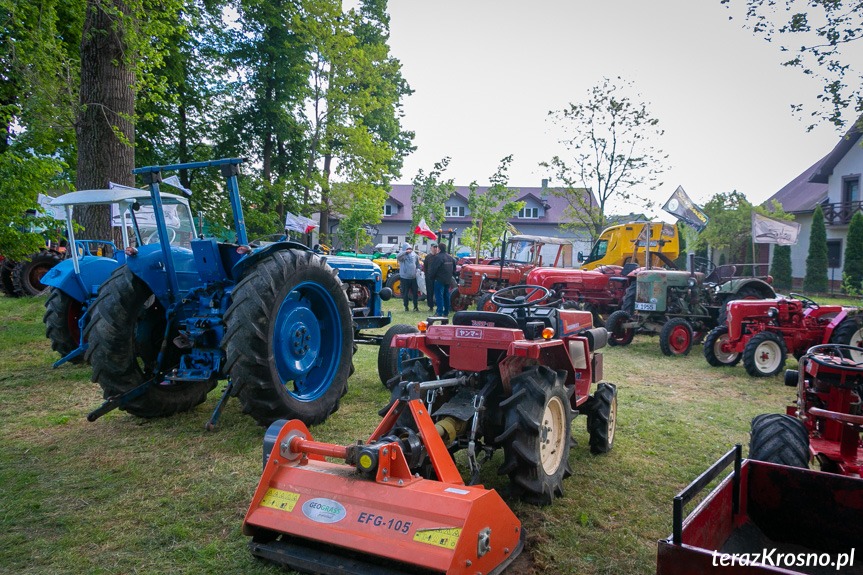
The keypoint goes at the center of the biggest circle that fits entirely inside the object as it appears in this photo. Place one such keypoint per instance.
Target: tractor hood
(551, 276)
(354, 268)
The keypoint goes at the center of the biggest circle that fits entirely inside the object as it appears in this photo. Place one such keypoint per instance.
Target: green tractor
(681, 306)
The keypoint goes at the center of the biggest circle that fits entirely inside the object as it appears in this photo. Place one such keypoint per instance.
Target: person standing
(430, 299)
(408, 267)
(443, 274)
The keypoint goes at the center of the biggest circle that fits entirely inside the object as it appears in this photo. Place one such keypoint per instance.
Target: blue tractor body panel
(94, 271)
(366, 308)
(149, 266)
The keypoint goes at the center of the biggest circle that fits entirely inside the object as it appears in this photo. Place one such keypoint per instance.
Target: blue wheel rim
(307, 341)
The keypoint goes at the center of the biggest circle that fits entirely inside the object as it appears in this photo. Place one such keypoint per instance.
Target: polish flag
(424, 230)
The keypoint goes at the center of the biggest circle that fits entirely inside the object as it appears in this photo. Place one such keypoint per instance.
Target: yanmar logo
(469, 333)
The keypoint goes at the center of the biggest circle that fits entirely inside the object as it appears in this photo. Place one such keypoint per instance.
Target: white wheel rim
(856, 341)
(723, 356)
(612, 421)
(767, 356)
(552, 435)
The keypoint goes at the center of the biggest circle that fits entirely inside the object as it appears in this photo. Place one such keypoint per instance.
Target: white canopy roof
(112, 196)
(541, 240)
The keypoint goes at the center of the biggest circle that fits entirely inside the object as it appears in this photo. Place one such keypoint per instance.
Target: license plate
(645, 306)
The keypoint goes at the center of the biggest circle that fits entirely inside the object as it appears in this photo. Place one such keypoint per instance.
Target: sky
(487, 72)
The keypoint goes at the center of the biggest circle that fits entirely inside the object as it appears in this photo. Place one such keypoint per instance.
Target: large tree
(820, 37)
(490, 210)
(816, 261)
(611, 143)
(428, 196)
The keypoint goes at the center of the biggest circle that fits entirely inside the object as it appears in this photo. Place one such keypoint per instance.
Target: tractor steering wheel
(154, 237)
(831, 355)
(520, 301)
(807, 302)
(703, 265)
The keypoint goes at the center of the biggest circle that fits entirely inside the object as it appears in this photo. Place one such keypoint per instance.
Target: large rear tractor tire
(125, 334)
(6, 285)
(764, 354)
(537, 435)
(602, 418)
(676, 337)
(849, 332)
(394, 282)
(390, 358)
(27, 275)
(628, 304)
(289, 339)
(714, 351)
(62, 313)
(779, 438)
(618, 335)
(744, 293)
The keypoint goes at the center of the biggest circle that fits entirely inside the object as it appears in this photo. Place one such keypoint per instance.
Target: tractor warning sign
(440, 537)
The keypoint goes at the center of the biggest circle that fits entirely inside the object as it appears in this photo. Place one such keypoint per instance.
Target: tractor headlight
(772, 312)
(692, 282)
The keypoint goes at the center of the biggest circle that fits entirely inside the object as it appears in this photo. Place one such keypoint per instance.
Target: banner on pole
(767, 230)
(680, 206)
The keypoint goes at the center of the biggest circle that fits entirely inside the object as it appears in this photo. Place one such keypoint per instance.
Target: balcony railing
(840, 214)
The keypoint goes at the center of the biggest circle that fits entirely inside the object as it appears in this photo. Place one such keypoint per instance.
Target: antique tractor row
(511, 380)
(763, 332)
(680, 306)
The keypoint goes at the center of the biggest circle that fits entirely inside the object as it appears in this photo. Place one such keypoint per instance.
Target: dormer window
(455, 211)
(388, 209)
(528, 213)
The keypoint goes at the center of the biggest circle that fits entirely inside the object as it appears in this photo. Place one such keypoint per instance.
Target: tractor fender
(242, 266)
(149, 266)
(94, 271)
(764, 289)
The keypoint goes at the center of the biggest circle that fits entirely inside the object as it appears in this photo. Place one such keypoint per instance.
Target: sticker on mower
(446, 537)
(278, 499)
(469, 333)
(645, 306)
(323, 510)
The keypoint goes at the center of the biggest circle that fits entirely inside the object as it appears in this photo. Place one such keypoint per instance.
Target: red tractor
(762, 332)
(511, 380)
(521, 254)
(825, 422)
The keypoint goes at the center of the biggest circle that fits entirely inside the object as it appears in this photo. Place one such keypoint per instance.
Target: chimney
(544, 194)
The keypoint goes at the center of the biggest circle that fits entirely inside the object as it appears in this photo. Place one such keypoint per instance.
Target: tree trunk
(325, 199)
(107, 101)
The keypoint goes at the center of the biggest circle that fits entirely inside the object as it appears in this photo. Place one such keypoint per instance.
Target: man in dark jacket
(429, 281)
(442, 272)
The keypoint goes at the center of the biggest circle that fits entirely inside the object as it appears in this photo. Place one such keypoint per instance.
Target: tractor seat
(721, 274)
(484, 319)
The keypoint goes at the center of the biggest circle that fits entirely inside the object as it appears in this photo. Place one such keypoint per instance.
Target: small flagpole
(479, 240)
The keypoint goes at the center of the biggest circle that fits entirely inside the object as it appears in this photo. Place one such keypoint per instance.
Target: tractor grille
(466, 279)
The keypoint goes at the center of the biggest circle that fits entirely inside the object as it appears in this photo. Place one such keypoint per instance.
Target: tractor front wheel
(62, 313)
(537, 435)
(394, 282)
(716, 348)
(676, 337)
(484, 303)
(779, 438)
(628, 304)
(602, 418)
(456, 301)
(125, 334)
(617, 334)
(849, 332)
(289, 339)
(764, 354)
(27, 275)
(390, 358)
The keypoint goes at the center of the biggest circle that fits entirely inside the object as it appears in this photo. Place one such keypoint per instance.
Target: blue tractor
(75, 281)
(187, 311)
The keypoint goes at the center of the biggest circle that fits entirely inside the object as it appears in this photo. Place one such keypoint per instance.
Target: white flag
(770, 231)
(299, 223)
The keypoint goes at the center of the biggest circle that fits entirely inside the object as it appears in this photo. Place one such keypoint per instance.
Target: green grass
(128, 495)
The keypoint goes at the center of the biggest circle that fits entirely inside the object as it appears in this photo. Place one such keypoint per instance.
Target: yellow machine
(627, 243)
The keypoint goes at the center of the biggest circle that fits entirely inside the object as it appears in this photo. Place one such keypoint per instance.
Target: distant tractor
(185, 312)
(763, 332)
(75, 281)
(680, 306)
(520, 254)
(825, 422)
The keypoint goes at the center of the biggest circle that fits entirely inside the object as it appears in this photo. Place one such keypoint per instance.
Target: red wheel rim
(680, 339)
(488, 306)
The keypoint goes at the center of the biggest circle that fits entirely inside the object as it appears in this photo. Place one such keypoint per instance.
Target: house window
(388, 209)
(851, 189)
(392, 239)
(528, 213)
(455, 211)
(834, 253)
